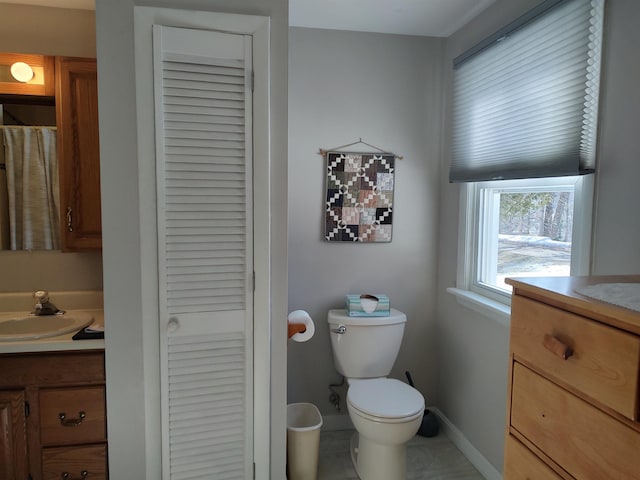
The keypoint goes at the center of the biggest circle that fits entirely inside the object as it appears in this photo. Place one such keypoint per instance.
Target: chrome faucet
(43, 305)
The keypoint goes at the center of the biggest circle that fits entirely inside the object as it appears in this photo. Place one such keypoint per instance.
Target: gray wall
(132, 393)
(473, 350)
(617, 221)
(47, 31)
(385, 89)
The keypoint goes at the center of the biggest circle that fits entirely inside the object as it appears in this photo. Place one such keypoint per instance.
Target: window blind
(525, 100)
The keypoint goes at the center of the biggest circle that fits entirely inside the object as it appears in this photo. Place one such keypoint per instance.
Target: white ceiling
(435, 18)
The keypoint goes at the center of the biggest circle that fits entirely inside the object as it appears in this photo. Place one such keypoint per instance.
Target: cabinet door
(13, 436)
(79, 155)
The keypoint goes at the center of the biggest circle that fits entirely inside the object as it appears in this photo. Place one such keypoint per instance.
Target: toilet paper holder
(300, 326)
(294, 328)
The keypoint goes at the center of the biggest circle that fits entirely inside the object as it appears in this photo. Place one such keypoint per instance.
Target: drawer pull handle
(67, 476)
(71, 422)
(69, 219)
(557, 347)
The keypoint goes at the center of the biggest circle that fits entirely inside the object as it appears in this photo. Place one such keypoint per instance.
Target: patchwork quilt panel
(359, 201)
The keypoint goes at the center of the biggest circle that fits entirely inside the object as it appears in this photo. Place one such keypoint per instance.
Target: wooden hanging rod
(323, 152)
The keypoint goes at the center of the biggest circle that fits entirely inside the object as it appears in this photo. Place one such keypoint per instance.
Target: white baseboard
(486, 469)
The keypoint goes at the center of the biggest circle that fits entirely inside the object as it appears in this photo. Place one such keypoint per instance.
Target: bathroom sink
(17, 326)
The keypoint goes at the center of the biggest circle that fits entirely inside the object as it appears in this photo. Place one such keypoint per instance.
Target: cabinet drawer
(604, 363)
(72, 415)
(521, 464)
(74, 462)
(583, 440)
(51, 369)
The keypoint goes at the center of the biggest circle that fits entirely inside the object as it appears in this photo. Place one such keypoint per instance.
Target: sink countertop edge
(56, 344)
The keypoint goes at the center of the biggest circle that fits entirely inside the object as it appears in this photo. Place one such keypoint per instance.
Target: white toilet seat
(385, 400)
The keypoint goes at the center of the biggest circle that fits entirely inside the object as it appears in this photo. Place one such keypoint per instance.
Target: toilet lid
(385, 397)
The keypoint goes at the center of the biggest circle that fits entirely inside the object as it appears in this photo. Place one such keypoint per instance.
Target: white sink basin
(17, 326)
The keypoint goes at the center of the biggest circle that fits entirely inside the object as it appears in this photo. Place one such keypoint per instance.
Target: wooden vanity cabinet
(78, 153)
(52, 416)
(574, 383)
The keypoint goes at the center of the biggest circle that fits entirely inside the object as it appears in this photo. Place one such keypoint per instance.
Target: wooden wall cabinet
(574, 383)
(78, 153)
(52, 416)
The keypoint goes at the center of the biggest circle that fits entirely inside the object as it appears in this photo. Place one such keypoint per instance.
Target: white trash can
(303, 441)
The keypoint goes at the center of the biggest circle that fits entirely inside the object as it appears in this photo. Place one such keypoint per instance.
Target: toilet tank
(369, 345)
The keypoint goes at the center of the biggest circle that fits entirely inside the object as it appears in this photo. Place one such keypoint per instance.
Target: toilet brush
(429, 426)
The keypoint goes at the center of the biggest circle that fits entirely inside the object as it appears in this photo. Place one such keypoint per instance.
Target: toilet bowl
(386, 414)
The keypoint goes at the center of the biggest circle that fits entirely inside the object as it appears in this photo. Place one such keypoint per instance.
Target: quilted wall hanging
(359, 201)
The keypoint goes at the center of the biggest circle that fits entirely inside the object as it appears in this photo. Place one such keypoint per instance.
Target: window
(525, 103)
(525, 231)
(531, 227)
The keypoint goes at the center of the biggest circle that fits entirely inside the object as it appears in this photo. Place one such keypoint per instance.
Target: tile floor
(434, 458)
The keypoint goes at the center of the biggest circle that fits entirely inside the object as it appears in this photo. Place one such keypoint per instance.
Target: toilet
(386, 413)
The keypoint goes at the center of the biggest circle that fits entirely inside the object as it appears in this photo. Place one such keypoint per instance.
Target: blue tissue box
(368, 305)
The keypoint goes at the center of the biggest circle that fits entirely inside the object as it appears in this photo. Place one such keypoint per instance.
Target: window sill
(492, 309)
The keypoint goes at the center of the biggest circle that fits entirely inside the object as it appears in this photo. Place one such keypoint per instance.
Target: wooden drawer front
(605, 361)
(51, 369)
(74, 461)
(521, 464)
(72, 402)
(583, 440)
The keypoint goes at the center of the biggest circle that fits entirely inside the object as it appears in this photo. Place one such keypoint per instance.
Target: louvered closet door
(203, 150)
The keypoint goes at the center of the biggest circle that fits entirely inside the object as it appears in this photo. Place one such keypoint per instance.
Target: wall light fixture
(22, 72)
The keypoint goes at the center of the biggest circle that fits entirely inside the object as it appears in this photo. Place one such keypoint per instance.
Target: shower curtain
(4, 202)
(32, 185)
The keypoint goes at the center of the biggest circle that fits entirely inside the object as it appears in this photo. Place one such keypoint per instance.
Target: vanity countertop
(59, 343)
(564, 292)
